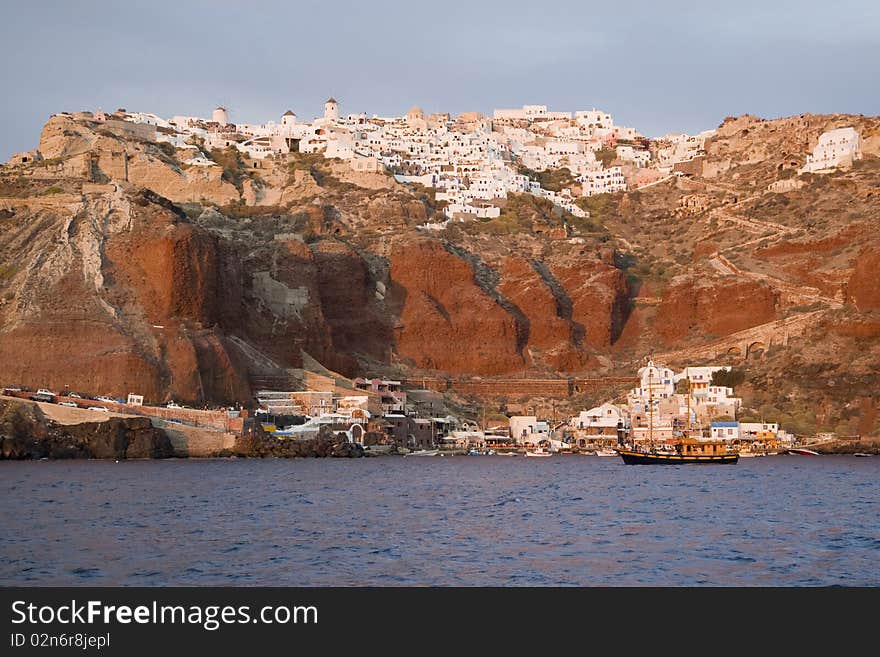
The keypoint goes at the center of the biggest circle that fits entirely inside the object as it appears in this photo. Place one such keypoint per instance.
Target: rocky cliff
(26, 434)
(123, 269)
(259, 444)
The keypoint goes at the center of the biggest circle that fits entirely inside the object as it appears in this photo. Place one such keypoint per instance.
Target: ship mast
(688, 379)
(651, 403)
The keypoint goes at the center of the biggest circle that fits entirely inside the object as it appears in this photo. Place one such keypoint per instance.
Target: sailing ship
(682, 450)
(685, 450)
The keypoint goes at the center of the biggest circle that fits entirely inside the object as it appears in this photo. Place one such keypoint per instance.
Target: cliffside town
(496, 260)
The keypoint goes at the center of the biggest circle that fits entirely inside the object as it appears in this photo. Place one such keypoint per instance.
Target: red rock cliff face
(714, 307)
(447, 321)
(281, 314)
(553, 338)
(349, 299)
(863, 287)
(170, 269)
(79, 353)
(600, 300)
(120, 297)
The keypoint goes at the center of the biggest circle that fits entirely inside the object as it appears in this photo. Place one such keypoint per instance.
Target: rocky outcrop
(102, 151)
(327, 443)
(770, 146)
(25, 433)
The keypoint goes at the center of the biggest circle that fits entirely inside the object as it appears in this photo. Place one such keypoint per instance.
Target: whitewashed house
(727, 431)
(836, 148)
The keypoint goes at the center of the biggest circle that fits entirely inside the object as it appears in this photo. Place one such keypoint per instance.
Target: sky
(668, 66)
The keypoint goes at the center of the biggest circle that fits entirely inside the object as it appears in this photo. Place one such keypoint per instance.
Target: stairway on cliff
(264, 373)
(281, 381)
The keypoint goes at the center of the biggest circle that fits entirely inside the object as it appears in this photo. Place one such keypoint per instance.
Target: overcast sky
(658, 66)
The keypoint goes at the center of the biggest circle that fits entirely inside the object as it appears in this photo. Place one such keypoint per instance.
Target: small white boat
(800, 451)
(424, 452)
(605, 452)
(538, 452)
(862, 454)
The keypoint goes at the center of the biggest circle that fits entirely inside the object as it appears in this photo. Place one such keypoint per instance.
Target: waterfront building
(392, 395)
(598, 424)
(606, 415)
(725, 430)
(758, 430)
(528, 429)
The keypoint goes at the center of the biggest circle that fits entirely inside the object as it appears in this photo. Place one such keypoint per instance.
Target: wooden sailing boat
(684, 450)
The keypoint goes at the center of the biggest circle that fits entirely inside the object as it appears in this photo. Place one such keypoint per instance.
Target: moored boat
(425, 452)
(538, 452)
(685, 451)
(606, 452)
(800, 451)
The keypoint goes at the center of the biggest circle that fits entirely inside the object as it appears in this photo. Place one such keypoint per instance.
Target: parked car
(98, 408)
(73, 395)
(172, 404)
(43, 395)
(9, 389)
(69, 403)
(104, 398)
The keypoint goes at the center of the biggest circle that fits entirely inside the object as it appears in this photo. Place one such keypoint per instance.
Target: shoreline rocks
(25, 433)
(260, 444)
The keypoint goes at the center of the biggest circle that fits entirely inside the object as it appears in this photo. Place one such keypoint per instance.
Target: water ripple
(454, 521)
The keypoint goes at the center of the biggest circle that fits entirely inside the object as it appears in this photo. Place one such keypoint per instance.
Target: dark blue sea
(472, 521)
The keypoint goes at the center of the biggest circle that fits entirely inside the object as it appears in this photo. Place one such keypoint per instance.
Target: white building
(529, 113)
(603, 181)
(288, 119)
(655, 381)
(528, 429)
(836, 148)
(700, 377)
(758, 430)
(725, 431)
(605, 416)
(219, 115)
(641, 158)
(594, 119)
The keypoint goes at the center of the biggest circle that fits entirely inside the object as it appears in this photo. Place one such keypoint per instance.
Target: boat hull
(641, 458)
